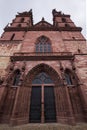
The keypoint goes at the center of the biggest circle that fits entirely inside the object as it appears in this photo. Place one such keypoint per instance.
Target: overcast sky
(43, 8)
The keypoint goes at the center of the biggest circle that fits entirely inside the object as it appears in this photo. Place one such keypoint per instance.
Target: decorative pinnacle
(43, 19)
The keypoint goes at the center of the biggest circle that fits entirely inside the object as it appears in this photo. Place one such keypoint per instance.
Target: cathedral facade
(43, 71)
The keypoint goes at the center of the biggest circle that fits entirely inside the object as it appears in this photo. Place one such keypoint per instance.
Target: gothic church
(43, 71)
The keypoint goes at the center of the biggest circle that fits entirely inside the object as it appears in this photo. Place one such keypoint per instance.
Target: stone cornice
(42, 28)
(21, 56)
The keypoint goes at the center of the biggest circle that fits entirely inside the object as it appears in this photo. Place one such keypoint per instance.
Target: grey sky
(43, 8)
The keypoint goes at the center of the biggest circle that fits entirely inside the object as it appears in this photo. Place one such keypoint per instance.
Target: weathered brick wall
(18, 35)
(81, 71)
(68, 35)
(7, 50)
(62, 24)
(81, 68)
(59, 41)
(4, 61)
(73, 46)
(59, 19)
(31, 37)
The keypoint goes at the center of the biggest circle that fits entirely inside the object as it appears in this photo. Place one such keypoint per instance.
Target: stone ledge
(51, 126)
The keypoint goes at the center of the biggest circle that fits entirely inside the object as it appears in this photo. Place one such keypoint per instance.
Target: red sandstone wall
(54, 64)
(61, 24)
(61, 42)
(81, 68)
(6, 50)
(18, 35)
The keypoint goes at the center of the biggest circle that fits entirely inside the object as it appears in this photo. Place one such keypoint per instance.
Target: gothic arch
(28, 85)
(43, 68)
(43, 44)
(42, 36)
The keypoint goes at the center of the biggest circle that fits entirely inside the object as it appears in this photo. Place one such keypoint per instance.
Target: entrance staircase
(52, 126)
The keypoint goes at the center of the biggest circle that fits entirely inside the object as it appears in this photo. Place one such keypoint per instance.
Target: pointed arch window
(43, 45)
(16, 79)
(68, 77)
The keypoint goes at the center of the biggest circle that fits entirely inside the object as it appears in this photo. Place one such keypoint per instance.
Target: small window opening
(73, 37)
(16, 78)
(12, 37)
(22, 20)
(67, 25)
(19, 25)
(63, 20)
(79, 51)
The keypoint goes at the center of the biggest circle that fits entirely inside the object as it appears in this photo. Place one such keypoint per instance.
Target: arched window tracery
(42, 78)
(43, 45)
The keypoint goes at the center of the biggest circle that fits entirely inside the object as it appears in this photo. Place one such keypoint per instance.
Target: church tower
(43, 71)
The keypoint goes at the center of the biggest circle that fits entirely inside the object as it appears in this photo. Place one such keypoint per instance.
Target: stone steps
(51, 126)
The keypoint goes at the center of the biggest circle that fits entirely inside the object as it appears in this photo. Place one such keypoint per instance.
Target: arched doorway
(43, 80)
(42, 106)
(25, 91)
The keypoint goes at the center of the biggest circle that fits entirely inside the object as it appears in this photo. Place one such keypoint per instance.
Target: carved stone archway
(40, 68)
(53, 75)
(23, 97)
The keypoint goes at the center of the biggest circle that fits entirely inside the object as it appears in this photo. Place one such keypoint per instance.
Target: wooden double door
(42, 106)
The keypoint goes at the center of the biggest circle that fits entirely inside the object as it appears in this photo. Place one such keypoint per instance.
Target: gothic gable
(43, 25)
